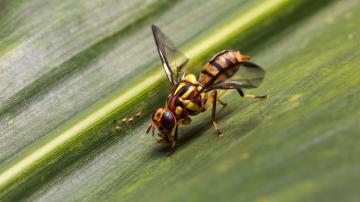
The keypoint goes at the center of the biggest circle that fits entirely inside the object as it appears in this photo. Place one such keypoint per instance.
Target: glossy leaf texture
(70, 69)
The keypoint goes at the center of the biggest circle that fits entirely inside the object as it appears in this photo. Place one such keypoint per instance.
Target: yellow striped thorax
(187, 95)
(191, 78)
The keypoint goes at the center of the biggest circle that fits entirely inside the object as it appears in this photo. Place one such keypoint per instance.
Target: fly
(190, 96)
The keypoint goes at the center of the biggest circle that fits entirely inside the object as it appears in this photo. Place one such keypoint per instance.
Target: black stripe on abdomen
(222, 70)
(206, 73)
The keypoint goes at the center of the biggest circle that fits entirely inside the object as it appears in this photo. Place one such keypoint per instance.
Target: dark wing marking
(248, 75)
(171, 58)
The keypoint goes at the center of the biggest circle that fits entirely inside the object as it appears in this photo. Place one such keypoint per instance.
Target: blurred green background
(69, 69)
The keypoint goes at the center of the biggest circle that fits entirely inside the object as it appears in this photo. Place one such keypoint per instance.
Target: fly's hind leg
(252, 96)
(213, 117)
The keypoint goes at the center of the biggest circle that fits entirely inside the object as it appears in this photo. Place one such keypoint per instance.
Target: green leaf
(69, 69)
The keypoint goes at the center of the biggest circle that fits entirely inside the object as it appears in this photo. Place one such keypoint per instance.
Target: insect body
(191, 96)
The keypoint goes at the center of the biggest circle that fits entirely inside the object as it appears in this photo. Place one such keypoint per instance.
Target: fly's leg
(218, 131)
(224, 104)
(161, 141)
(263, 97)
(211, 100)
(173, 143)
(252, 96)
(152, 128)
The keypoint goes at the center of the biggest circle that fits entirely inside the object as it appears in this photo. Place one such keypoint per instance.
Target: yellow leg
(218, 131)
(224, 104)
(209, 100)
(256, 96)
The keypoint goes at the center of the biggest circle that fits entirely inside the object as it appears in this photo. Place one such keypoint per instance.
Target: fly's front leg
(163, 139)
(173, 143)
(218, 131)
(252, 96)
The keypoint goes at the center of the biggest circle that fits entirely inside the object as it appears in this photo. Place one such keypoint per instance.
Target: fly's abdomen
(221, 67)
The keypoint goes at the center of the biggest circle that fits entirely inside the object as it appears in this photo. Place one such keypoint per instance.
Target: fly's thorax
(186, 98)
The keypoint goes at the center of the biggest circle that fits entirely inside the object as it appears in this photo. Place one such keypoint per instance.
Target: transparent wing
(248, 75)
(172, 59)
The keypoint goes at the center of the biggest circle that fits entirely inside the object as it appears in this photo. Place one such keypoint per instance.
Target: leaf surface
(69, 69)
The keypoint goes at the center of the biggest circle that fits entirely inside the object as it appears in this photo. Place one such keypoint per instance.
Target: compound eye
(167, 120)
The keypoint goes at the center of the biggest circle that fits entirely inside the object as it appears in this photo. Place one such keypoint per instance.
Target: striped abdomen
(221, 67)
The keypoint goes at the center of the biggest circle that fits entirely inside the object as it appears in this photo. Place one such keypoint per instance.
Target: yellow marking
(222, 93)
(209, 100)
(256, 96)
(249, 96)
(187, 93)
(191, 78)
(178, 110)
(179, 87)
(183, 101)
(192, 106)
(204, 96)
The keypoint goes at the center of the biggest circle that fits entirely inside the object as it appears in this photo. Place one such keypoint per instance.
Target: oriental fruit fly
(190, 96)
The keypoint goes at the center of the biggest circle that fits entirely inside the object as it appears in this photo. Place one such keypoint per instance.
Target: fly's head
(164, 120)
